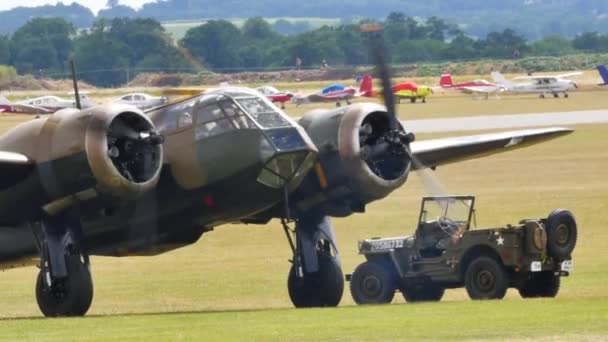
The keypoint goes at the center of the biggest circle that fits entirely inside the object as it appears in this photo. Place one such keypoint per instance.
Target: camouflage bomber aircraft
(112, 180)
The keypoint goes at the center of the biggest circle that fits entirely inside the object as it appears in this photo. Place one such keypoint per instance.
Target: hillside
(533, 18)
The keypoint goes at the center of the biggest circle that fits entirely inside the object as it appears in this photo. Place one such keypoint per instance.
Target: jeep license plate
(567, 266)
(536, 266)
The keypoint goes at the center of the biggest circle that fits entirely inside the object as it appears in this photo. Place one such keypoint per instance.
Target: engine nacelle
(358, 166)
(113, 150)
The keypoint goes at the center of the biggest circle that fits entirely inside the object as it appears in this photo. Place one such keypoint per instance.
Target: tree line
(113, 51)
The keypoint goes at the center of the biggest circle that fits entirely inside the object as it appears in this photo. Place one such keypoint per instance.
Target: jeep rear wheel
(486, 278)
(561, 234)
(372, 283)
(541, 284)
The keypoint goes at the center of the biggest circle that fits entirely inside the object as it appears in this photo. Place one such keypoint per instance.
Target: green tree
(258, 29)
(215, 43)
(591, 41)
(551, 46)
(5, 50)
(42, 43)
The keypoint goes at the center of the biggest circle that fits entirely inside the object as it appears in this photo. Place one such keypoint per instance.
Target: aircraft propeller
(396, 141)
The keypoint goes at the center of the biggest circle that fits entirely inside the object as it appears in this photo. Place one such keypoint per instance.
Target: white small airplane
(538, 84)
(55, 103)
(6, 106)
(142, 101)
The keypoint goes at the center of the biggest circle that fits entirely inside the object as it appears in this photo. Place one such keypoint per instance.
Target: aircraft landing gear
(64, 286)
(315, 278)
(67, 296)
(338, 104)
(556, 95)
(566, 95)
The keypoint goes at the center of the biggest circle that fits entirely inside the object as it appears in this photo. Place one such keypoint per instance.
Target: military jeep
(445, 253)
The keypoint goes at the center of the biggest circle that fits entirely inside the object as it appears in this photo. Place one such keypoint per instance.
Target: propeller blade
(379, 54)
(431, 183)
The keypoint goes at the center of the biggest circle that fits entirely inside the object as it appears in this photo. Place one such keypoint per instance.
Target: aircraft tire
(486, 278)
(541, 284)
(372, 283)
(561, 234)
(70, 296)
(320, 289)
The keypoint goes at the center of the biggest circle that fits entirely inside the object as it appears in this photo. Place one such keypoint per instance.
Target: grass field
(231, 285)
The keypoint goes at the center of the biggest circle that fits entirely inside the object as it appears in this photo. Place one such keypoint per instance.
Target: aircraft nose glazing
(291, 159)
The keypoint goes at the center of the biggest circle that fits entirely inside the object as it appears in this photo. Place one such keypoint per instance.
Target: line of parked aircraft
(338, 93)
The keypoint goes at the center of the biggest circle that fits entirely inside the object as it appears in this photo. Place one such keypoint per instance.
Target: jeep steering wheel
(448, 226)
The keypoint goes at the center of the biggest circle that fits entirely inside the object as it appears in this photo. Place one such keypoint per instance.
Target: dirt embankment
(28, 82)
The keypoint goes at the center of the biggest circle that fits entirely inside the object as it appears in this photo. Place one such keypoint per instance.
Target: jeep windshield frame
(459, 209)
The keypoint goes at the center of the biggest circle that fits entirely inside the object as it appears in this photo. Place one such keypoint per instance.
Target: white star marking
(500, 240)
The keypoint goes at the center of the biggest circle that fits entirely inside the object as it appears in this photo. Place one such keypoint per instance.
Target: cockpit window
(263, 113)
(217, 118)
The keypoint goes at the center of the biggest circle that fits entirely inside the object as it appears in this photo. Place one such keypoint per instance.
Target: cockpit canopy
(221, 109)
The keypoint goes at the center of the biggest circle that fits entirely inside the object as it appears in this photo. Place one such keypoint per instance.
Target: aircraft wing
(13, 167)
(477, 89)
(431, 153)
(549, 77)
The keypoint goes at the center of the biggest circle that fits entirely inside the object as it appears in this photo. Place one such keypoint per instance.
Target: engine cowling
(112, 150)
(361, 158)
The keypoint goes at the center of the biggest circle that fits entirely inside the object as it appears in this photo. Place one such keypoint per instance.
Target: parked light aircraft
(472, 87)
(275, 95)
(7, 106)
(55, 103)
(113, 180)
(401, 90)
(332, 93)
(603, 73)
(541, 85)
(141, 100)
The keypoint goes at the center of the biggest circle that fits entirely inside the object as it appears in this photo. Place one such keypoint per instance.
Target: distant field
(231, 285)
(179, 28)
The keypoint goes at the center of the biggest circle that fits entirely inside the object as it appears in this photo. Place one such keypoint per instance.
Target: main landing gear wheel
(68, 296)
(486, 278)
(556, 95)
(372, 283)
(319, 289)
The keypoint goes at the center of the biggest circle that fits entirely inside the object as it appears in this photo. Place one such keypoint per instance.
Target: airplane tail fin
(500, 79)
(604, 73)
(446, 80)
(366, 87)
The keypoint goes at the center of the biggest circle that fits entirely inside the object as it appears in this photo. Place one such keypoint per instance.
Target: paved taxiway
(472, 123)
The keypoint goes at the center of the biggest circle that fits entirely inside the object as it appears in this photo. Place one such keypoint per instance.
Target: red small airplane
(335, 93)
(276, 96)
(476, 86)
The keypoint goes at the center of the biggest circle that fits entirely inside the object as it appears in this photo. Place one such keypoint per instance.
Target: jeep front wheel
(372, 283)
(486, 278)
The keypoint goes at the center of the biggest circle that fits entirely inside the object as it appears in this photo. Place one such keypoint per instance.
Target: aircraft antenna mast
(75, 81)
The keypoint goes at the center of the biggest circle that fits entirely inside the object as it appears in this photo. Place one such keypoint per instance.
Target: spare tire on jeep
(561, 234)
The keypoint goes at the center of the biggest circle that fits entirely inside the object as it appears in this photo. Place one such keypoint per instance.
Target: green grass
(562, 319)
(231, 285)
